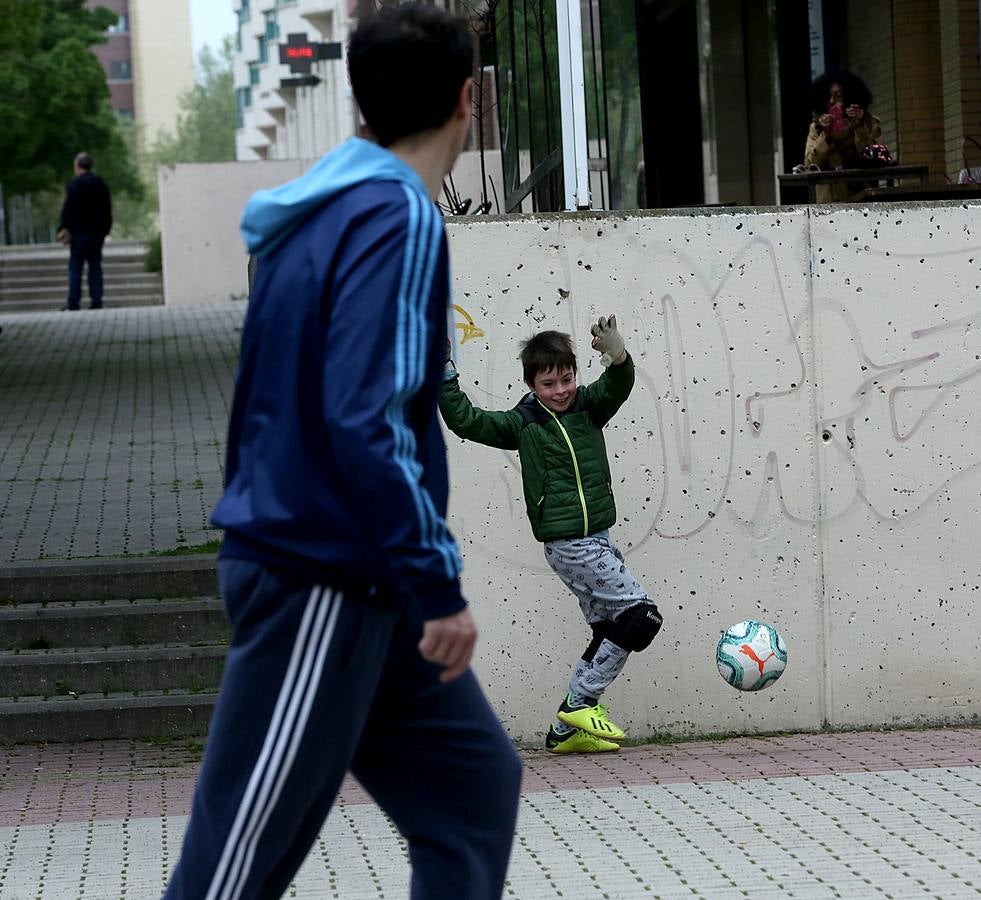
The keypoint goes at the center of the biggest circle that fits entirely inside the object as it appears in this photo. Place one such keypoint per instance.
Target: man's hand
(607, 340)
(63, 236)
(449, 642)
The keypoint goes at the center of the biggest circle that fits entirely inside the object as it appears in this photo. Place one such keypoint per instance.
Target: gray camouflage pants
(594, 570)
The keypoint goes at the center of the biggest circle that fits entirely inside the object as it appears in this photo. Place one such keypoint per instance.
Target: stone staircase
(128, 648)
(34, 277)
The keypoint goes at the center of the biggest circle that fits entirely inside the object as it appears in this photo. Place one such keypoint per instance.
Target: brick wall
(869, 54)
(961, 77)
(919, 84)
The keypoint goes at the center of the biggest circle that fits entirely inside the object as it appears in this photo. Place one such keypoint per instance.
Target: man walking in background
(86, 218)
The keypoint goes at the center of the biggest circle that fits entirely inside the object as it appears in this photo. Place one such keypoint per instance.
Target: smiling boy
(558, 431)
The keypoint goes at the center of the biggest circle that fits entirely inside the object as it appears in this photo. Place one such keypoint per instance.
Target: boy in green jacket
(558, 431)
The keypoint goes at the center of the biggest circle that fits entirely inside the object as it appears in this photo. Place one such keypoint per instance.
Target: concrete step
(108, 623)
(85, 670)
(42, 292)
(112, 245)
(98, 717)
(54, 260)
(27, 295)
(81, 659)
(113, 302)
(24, 268)
(164, 577)
(59, 281)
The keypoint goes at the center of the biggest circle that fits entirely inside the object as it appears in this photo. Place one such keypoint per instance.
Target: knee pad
(636, 627)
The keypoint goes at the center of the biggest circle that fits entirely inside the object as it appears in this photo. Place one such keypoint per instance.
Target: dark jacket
(87, 208)
(564, 468)
(336, 463)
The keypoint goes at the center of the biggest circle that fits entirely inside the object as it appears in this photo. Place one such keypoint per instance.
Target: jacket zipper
(575, 466)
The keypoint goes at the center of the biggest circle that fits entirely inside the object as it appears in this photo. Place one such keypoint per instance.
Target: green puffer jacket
(564, 469)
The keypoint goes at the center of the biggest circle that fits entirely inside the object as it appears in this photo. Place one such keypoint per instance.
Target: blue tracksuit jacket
(336, 462)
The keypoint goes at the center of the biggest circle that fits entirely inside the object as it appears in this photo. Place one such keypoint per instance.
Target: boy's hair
(546, 350)
(407, 65)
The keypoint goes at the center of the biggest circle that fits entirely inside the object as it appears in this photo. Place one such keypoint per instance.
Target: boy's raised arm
(495, 428)
(608, 393)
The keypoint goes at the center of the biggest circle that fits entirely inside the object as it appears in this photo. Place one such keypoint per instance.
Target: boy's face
(556, 388)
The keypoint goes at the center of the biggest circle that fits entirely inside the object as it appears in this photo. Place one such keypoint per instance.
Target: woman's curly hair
(853, 90)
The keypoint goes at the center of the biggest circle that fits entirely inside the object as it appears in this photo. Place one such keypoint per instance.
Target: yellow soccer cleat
(592, 719)
(577, 742)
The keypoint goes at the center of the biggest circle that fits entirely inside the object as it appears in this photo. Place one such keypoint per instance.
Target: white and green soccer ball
(751, 655)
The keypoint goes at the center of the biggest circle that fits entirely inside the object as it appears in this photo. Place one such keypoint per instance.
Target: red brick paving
(56, 783)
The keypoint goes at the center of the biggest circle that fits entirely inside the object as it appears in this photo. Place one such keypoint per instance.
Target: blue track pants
(318, 683)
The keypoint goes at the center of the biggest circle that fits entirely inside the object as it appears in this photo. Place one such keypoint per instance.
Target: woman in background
(842, 128)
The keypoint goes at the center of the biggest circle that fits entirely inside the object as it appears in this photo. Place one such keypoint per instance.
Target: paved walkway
(112, 432)
(895, 814)
(112, 429)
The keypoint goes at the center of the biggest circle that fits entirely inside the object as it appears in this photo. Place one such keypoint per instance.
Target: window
(263, 49)
(120, 70)
(244, 13)
(243, 100)
(125, 116)
(238, 40)
(253, 74)
(121, 26)
(272, 26)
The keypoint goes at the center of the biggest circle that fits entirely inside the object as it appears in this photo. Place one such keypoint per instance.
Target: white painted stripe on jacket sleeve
(435, 536)
(394, 411)
(307, 624)
(439, 533)
(410, 321)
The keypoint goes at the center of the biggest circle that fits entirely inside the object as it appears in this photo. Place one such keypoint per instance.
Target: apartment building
(148, 60)
(277, 119)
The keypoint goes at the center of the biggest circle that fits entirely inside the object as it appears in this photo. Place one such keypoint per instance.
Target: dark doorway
(793, 43)
(670, 100)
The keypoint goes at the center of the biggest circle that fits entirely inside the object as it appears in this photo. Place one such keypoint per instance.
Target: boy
(351, 641)
(558, 431)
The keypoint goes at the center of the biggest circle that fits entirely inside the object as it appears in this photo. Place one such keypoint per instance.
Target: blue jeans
(317, 684)
(85, 248)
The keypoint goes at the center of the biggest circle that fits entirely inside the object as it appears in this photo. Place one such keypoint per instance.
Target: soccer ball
(751, 655)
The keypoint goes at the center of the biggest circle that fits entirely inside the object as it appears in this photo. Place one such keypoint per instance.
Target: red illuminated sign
(299, 53)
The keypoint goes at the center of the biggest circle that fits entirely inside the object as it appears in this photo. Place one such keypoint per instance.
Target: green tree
(204, 132)
(54, 100)
(205, 129)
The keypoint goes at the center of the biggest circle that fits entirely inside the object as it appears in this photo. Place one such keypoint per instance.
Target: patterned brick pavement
(113, 429)
(868, 814)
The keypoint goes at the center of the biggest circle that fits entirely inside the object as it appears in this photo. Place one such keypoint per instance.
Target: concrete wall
(201, 205)
(801, 447)
(204, 259)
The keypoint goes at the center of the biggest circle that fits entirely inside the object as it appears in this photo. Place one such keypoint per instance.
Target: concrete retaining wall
(801, 447)
(204, 259)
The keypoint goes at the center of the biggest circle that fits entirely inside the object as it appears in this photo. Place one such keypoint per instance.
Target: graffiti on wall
(773, 391)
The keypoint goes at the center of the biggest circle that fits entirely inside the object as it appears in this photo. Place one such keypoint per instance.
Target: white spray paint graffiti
(802, 432)
(743, 412)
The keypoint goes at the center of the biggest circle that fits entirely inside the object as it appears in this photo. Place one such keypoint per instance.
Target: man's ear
(464, 103)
